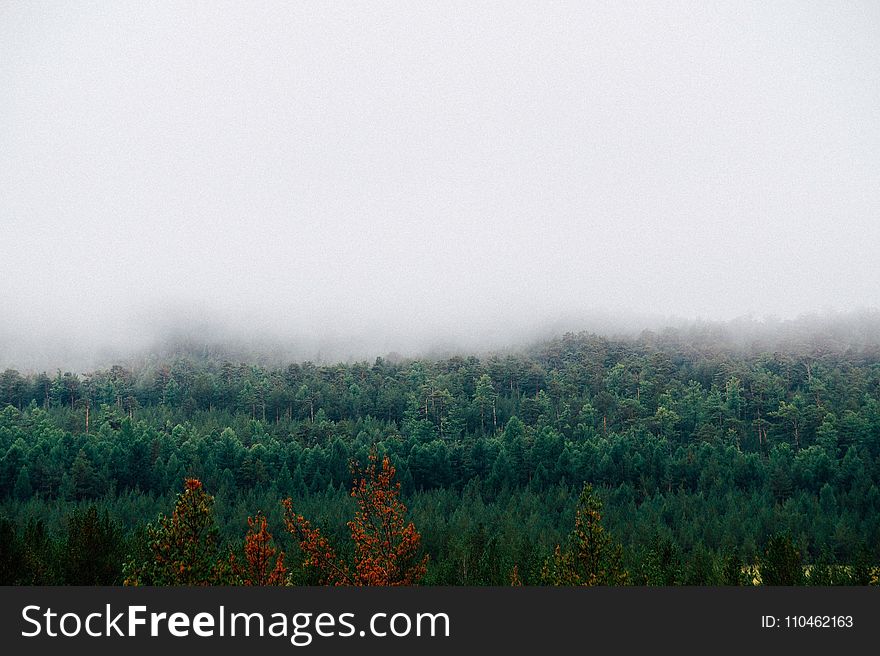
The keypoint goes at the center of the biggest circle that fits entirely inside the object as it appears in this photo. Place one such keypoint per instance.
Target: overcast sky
(336, 170)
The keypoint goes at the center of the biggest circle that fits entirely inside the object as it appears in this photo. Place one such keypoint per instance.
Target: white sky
(415, 169)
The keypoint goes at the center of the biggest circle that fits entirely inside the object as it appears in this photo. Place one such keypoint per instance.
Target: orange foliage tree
(257, 568)
(515, 580)
(386, 548)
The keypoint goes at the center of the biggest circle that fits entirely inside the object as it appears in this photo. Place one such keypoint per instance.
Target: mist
(337, 181)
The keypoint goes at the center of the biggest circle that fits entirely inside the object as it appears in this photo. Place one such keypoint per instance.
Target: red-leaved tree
(258, 567)
(387, 548)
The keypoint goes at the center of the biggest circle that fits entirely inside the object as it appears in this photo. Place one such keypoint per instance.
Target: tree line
(705, 454)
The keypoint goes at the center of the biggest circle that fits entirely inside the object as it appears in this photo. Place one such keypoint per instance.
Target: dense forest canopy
(545, 221)
(711, 452)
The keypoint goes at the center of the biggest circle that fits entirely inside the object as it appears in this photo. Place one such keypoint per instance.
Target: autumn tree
(386, 548)
(591, 557)
(515, 580)
(258, 568)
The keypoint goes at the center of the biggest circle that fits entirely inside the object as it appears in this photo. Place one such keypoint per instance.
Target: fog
(344, 180)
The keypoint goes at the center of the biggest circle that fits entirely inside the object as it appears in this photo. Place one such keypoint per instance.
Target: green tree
(182, 548)
(591, 557)
(782, 563)
(91, 553)
(484, 399)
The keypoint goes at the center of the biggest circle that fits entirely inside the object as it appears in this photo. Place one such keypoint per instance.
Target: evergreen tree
(591, 557)
(183, 548)
(782, 563)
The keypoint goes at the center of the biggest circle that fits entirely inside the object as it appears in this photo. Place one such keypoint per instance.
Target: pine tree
(258, 568)
(591, 557)
(91, 551)
(182, 548)
(781, 563)
(386, 547)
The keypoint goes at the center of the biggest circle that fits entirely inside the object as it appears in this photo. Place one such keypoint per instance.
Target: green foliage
(183, 548)
(93, 549)
(11, 553)
(733, 571)
(701, 449)
(782, 563)
(591, 557)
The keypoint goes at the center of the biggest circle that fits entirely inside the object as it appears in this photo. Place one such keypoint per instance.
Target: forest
(668, 458)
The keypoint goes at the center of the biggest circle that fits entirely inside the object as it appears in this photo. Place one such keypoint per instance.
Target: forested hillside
(710, 457)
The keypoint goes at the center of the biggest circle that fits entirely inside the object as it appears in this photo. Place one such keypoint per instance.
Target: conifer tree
(386, 547)
(182, 548)
(258, 567)
(591, 557)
